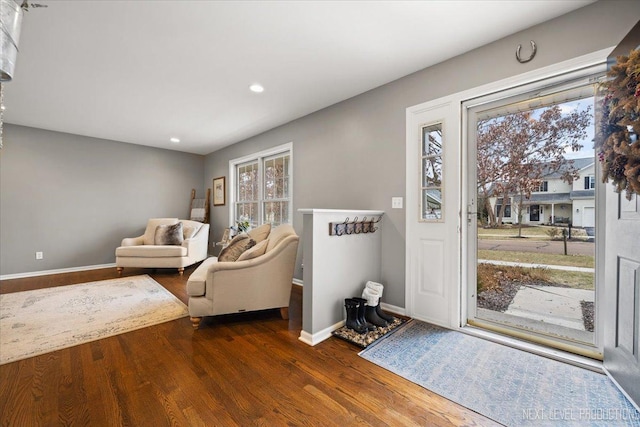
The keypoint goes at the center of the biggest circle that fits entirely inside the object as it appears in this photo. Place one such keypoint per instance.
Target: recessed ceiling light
(175, 140)
(256, 88)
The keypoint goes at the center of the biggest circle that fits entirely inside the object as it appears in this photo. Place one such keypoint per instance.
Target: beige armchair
(257, 283)
(187, 245)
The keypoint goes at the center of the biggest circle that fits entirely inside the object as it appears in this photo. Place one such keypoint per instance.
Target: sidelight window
(431, 185)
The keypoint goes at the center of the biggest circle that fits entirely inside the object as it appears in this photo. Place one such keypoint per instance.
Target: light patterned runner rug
(44, 320)
(510, 386)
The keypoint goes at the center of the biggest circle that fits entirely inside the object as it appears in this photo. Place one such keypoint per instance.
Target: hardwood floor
(246, 369)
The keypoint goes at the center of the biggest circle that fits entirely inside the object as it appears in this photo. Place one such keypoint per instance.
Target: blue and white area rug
(510, 386)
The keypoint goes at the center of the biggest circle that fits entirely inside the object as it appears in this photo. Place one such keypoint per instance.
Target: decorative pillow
(256, 251)
(260, 233)
(278, 234)
(149, 237)
(169, 234)
(235, 248)
(188, 231)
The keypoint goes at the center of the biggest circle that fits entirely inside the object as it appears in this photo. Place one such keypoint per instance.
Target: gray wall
(74, 198)
(352, 155)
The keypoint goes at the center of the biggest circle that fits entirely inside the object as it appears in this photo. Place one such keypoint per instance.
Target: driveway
(591, 232)
(547, 247)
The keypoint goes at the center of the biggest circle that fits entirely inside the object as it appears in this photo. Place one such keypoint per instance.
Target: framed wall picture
(219, 191)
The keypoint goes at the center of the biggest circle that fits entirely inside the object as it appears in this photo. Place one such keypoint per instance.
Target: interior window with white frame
(262, 187)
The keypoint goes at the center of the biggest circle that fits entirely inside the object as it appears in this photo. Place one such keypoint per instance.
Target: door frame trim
(459, 292)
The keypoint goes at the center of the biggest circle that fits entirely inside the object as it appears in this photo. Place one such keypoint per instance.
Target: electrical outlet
(396, 202)
(39, 255)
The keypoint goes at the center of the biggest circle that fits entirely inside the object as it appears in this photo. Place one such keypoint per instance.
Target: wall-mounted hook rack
(364, 225)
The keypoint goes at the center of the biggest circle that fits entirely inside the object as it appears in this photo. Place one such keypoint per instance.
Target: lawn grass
(573, 279)
(538, 258)
(531, 232)
(507, 231)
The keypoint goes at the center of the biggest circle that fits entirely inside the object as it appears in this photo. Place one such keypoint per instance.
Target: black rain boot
(372, 317)
(361, 315)
(389, 319)
(351, 306)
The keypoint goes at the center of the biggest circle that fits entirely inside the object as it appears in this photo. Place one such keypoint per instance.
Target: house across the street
(556, 201)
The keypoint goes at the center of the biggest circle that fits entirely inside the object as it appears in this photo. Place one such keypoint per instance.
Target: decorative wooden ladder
(199, 209)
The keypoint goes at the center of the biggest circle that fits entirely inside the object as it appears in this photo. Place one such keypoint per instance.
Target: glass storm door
(533, 279)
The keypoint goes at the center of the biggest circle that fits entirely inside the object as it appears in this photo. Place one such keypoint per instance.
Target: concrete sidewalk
(551, 304)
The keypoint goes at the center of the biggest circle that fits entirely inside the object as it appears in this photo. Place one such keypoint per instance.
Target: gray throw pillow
(235, 248)
(188, 231)
(169, 234)
(256, 251)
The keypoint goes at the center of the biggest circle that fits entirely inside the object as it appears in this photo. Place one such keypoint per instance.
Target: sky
(587, 145)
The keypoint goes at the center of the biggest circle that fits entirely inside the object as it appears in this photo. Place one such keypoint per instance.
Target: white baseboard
(393, 309)
(297, 282)
(57, 271)
(306, 338)
(318, 337)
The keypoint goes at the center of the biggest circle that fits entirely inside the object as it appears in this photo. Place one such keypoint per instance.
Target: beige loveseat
(259, 283)
(146, 252)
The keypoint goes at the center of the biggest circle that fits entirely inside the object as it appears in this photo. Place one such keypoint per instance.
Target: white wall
(335, 268)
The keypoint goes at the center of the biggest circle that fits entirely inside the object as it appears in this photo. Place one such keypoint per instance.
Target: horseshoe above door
(534, 49)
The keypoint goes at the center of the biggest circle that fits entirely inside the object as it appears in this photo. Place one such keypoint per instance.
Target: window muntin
(543, 187)
(431, 173)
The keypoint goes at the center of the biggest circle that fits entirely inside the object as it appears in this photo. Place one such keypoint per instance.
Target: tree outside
(517, 151)
(518, 148)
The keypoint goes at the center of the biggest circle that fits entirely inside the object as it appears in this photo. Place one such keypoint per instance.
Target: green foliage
(243, 225)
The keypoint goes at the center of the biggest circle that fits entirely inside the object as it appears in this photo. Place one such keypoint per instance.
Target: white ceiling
(144, 71)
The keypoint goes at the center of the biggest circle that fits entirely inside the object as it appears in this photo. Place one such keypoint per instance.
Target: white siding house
(557, 201)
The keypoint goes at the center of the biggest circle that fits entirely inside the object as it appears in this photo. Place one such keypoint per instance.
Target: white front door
(432, 212)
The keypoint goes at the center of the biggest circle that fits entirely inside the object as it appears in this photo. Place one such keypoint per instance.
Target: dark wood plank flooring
(239, 370)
